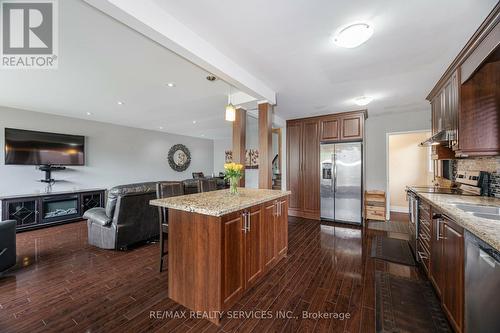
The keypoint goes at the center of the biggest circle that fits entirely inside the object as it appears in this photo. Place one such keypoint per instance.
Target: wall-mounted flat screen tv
(24, 147)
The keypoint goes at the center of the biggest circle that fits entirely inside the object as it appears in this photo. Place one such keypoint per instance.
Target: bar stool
(166, 190)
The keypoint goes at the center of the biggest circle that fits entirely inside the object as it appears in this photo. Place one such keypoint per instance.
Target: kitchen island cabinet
(220, 245)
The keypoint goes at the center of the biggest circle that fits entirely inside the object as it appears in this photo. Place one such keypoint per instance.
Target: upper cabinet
(342, 126)
(445, 105)
(303, 142)
(480, 110)
(465, 102)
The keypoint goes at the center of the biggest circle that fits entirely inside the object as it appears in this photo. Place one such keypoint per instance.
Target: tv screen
(39, 148)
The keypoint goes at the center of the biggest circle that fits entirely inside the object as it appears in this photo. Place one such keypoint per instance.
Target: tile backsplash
(488, 164)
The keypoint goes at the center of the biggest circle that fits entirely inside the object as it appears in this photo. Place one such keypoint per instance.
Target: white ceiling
(287, 44)
(102, 62)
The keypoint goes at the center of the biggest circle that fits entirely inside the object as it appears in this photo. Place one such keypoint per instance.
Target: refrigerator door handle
(334, 173)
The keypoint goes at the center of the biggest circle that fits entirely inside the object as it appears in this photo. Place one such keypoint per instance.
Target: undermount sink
(495, 217)
(485, 212)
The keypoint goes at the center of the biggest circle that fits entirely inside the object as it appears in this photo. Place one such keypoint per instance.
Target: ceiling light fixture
(171, 84)
(363, 100)
(230, 109)
(194, 121)
(89, 113)
(353, 35)
(161, 127)
(120, 103)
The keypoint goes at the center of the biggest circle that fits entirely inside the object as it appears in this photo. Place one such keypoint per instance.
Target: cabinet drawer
(376, 209)
(371, 215)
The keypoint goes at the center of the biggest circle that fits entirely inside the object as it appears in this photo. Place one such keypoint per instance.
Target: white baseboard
(399, 209)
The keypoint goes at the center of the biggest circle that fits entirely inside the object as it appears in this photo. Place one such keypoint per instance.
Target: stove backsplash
(488, 164)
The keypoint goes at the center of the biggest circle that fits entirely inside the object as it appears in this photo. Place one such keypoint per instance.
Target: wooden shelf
(375, 203)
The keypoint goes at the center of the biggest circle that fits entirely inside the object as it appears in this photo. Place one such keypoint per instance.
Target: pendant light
(230, 109)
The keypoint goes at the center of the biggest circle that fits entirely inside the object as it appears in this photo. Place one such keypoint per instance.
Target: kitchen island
(220, 245)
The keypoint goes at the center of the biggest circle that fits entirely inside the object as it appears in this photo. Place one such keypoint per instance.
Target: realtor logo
(29, 34)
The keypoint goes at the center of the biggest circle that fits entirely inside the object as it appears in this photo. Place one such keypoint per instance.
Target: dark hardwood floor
(62, 284)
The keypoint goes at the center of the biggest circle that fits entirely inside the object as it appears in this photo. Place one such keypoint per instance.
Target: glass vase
(233, 185)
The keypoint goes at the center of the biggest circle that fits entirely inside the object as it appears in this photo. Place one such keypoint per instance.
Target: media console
(45, 209)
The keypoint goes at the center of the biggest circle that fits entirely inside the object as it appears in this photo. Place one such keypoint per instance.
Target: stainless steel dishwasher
(482, 286)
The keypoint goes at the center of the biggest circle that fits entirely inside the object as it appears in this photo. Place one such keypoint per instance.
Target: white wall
(377, 128)
(114, 154)
(220, 147)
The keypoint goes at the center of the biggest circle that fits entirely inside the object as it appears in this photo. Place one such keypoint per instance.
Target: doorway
(407, 164)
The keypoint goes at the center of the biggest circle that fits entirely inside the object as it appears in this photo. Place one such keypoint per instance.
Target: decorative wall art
(251, 158)
(179, 157)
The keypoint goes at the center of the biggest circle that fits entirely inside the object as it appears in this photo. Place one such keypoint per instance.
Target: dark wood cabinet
(233, 260)
(310, 170)
(282, 228)
(436, 262)
(253, 245)
(352, 127)
(269, 234)
(453, 267)
(465, 102)
(303, 145)
(330, 129)
(253, 241)
(447, 266)
(480, 112)
(294, 164)
(303, 167)
(444, 106)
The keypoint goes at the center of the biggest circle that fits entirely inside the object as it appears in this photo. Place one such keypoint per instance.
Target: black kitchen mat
(391, 249)
(407, 305)
(401, 227)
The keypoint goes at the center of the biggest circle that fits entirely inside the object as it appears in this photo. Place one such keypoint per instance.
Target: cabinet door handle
(244, 214)
(422, 255)
(249, 216)
(438, 233)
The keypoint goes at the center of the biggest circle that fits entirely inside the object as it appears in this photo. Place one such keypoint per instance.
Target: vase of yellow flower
(233, 173)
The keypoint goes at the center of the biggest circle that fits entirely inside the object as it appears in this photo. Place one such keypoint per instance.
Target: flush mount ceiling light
(353, 35)
(363, 100)
(120, 103)
(171, 84)
(230, 109)
(194, 121)
(89, 113)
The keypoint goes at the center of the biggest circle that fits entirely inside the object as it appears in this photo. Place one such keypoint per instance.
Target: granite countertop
(218, 203)
(485, 229)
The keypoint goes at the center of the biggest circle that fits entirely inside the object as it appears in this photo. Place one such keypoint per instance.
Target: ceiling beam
(154, 22)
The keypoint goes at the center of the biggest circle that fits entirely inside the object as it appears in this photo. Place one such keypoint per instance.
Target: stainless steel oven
(482, 286)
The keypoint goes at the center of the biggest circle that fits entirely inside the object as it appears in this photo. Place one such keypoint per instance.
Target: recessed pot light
(161, 127)
(171, 84)
(89, 113)
(363, 100)
(194, 121)
(353, 34)
(120, 103)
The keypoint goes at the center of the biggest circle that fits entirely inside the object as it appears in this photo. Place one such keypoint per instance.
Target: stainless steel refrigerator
(341, 177)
